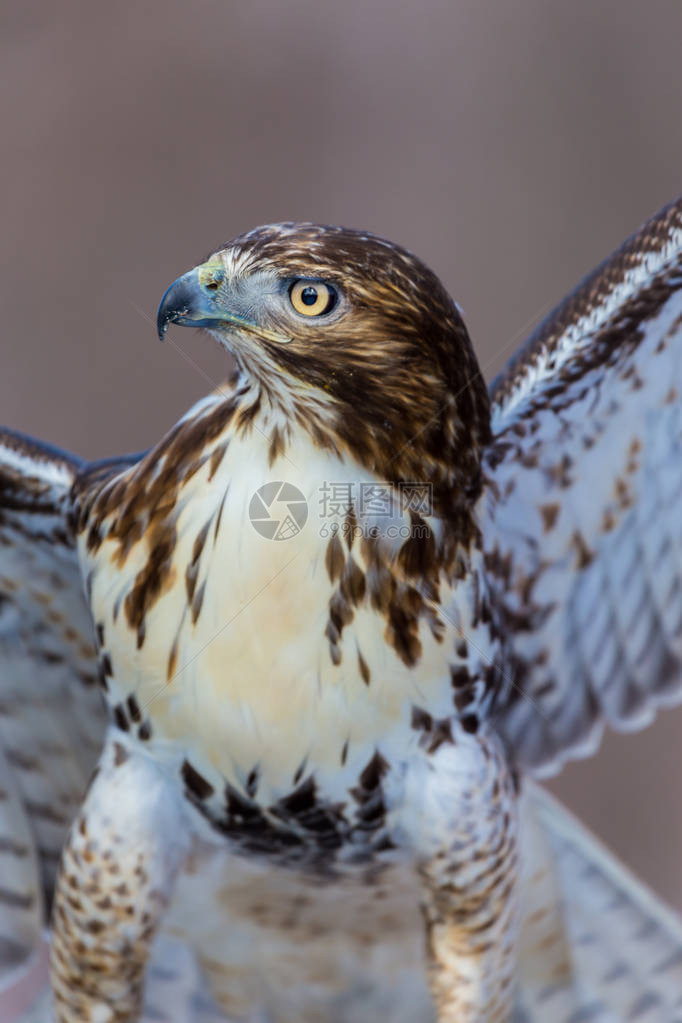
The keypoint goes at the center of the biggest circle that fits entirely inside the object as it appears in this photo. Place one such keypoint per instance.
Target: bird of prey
(339, 616)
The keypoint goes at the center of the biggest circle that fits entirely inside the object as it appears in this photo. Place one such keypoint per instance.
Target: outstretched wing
(51, 713)
(582, 516)
(596, 944)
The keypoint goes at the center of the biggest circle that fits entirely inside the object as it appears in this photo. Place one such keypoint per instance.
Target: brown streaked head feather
(391, 365)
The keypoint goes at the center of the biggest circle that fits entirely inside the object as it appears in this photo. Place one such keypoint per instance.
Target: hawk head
(350, 335)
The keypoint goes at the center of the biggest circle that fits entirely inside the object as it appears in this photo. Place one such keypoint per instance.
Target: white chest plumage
(264, 660)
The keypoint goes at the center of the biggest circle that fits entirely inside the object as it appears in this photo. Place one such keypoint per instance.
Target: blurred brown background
(511, 145)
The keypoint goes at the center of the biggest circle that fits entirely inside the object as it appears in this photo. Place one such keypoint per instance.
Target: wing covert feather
(51, 713)
(582, 518)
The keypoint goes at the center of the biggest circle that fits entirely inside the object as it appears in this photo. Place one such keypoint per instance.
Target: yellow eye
(312, 298)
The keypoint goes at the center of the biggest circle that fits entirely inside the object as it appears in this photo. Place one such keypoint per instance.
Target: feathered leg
(117, 871)
(469, 869)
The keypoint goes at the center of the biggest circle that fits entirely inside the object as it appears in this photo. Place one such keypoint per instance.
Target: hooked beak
(191, 301)
(194, 300)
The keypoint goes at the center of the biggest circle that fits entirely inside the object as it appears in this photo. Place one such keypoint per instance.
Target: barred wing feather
(51, 715)
(582, 516)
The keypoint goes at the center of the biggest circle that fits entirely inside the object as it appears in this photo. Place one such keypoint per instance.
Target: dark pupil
(309, 296)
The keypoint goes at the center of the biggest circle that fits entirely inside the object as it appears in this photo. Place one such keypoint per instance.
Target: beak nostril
(210, 276)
